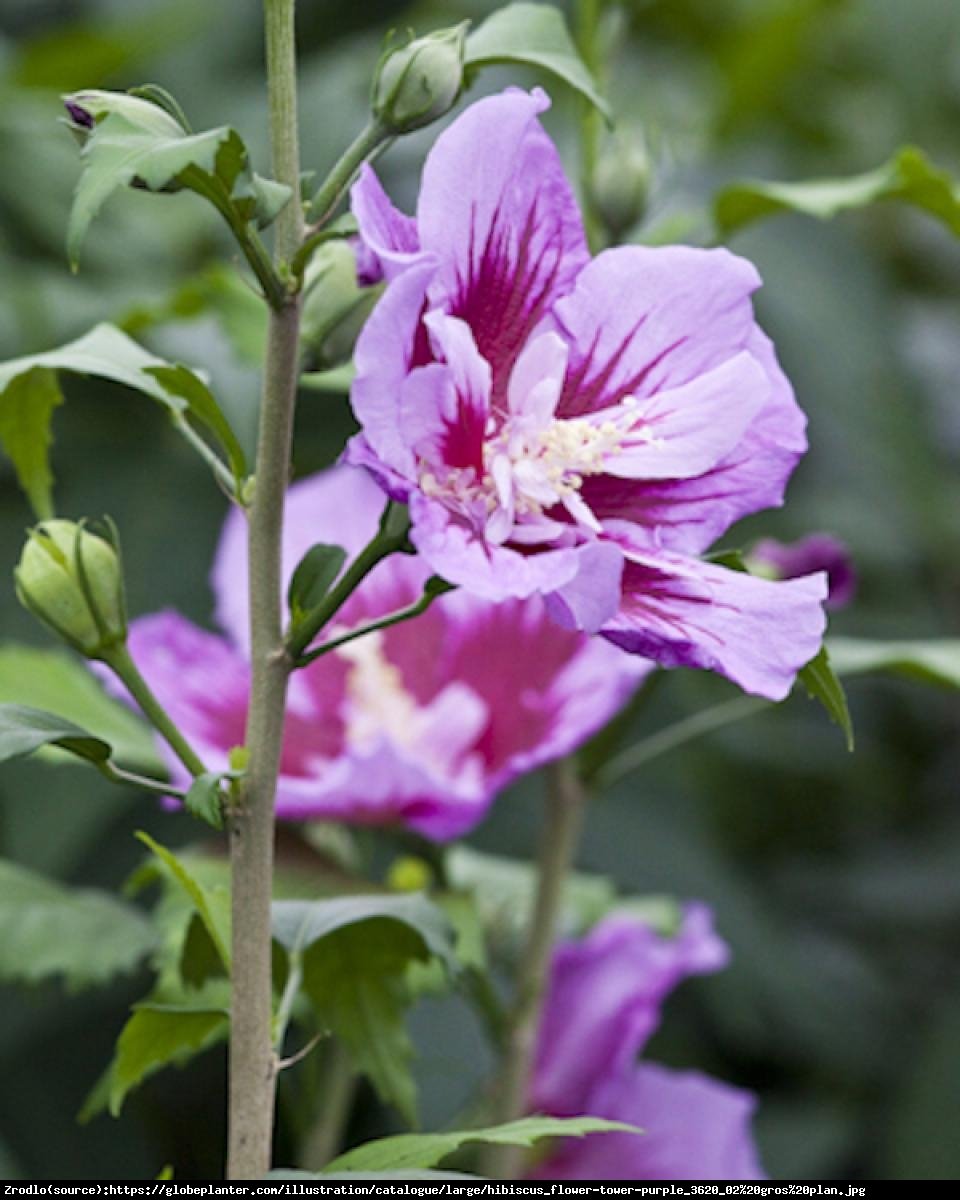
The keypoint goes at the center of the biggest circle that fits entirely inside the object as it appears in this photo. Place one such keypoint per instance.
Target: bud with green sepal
(72, 580)
(421, 81)
(620, 186)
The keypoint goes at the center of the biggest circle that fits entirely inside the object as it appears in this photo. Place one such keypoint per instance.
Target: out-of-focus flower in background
(422, 723)
(815, 552)
(603, 1004)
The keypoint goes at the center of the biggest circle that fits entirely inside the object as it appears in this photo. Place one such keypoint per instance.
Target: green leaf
(313, 578)
(534, 35)
(934, 661)
(355, 953)
(26, 410)
(163, 1033)
(104, 353)
(212, 904)
(426, 1149)
(821, 682)
(59, 684)
(204, 799)
(24, 730)
(119, 152)
(200, 404)
(46, 929)
(908, 177)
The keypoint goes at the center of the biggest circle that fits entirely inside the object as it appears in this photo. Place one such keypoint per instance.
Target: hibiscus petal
(497, 210)
(646, 319)
(690, 514)
(683, 431)
(605, 994)
(682, 612)
(388, 236)
(455, 550)
(393, 342)
(694, 1127)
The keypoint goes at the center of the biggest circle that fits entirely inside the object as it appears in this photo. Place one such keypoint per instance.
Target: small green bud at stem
(621, 185)
(71, 580)
(420, 82)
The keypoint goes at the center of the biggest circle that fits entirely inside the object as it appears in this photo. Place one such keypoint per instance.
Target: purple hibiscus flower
(816, 552)
(603, 1003)
(422, 723)
(580, 429)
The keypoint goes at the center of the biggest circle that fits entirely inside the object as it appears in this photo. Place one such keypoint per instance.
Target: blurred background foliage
(833, 876)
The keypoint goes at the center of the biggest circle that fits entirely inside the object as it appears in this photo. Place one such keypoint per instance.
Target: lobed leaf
(29, 392)
(908, 177)
(24, 730)
(64, 687)
(416, 1150)
(47, 929)
(163, 1033)
(533, 35)
(355, 954)
(212, 904)
(935, 661)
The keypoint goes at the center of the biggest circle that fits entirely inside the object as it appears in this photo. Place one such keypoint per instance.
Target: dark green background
(835, 878)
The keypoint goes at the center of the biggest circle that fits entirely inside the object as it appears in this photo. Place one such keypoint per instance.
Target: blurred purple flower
(580, 429)
(603, 1004)
(422, 723)
(816, 552)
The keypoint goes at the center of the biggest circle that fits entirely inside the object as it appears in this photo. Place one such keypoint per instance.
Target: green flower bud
(419, 82)
(621, 184)
(85, 109)
(71, 579)
(335, 307)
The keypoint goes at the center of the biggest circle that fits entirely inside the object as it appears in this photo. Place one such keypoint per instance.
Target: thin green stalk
(119, 661)
(337, 1089)
(390, 538)
(130, 779)
(395, 618)
(678, 734)
(372, 137)
(563, 819)
(287, 1000)
(253, 1064)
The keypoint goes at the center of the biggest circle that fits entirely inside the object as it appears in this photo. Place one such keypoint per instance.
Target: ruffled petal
(694, 1127)
(389, 238)
(686, 613)
(690, 514)
(498, 212)
(604, 1000)
(394, 342)
(643, 320)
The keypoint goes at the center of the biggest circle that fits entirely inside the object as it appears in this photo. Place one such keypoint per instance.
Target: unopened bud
(419, 82)
(335, 307)
(85, 109)
(71, 579)
(621, 184)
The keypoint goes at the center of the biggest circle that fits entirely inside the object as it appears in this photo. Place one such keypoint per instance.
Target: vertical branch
(563, 819)
(252, 1059)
